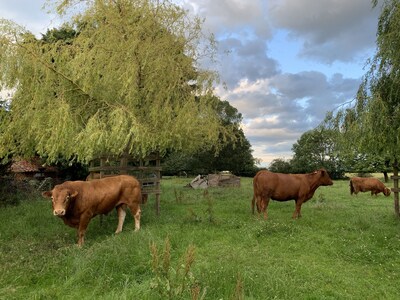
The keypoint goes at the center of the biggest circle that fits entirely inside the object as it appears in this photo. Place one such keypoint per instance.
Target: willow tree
(129, 79)
(373, 122)
(372, 125)
(378, 101)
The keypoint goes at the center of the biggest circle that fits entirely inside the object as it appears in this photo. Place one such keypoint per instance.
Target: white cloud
(232, 16)
(329, 30)
(30, 14)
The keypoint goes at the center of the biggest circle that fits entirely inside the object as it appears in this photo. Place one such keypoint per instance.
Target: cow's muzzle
(59, 212)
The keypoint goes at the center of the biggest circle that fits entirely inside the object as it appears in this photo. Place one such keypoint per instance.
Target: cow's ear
(47, 194)
(74, 194)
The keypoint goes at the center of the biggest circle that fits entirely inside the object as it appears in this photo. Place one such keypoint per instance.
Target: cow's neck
(70, 209)
(313, 179)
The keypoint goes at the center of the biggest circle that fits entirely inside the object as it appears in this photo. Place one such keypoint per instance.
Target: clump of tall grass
(178, 196)
(208, 214)
(239, 289)
(174, 282)
(210, 207)
(319, 202)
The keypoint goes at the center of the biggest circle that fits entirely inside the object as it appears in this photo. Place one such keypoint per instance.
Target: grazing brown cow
(359, 184)
(77, 202)
(284, 187)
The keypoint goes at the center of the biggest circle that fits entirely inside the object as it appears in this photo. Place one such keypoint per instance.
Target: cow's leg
(258, 200)
(83, 224)
(297, 211)
(255, 202)
(264, 206)
(121, 217)
(136, 212)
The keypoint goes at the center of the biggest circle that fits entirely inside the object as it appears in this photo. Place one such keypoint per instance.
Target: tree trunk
(385, 174)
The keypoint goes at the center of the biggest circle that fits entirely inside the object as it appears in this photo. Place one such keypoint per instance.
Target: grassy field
(208, 246)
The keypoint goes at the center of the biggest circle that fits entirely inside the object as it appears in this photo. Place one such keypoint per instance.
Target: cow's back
(102, 195)
(361, 184)
(277, 186)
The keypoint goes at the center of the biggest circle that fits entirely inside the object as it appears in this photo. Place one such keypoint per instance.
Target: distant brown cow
(284, 187)
(375, 186)
(77, 202)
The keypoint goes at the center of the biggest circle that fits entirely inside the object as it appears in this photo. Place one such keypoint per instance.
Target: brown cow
(359, 184)
(93, 176)
(284, 187)
(77, 202)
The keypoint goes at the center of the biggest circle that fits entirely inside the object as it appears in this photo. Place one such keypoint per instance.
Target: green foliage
(176, 162)
(316, 149)
(65, 33)
(239, 257)
(233, 153)
(353, 158)
(234, 156)
(280, 165)
(121, 75)
(370, 128)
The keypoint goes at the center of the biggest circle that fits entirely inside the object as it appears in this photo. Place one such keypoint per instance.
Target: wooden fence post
(395, 188)
(158, 187)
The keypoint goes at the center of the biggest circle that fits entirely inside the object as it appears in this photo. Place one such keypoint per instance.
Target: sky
(282, 63)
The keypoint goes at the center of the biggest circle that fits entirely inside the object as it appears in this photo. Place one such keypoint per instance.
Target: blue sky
(289, 62)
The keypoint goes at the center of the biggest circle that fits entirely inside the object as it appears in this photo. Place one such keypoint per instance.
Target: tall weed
(174, 282)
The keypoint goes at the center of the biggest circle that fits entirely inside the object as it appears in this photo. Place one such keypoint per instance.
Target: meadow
(207, 245)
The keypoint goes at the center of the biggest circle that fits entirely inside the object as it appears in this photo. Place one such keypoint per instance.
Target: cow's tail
(351, 188)
(255, 200)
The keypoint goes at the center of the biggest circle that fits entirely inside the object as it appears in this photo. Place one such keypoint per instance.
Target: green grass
(208, 246)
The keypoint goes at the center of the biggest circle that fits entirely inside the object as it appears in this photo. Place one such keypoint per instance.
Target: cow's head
(386, 192)
(324, 177)
(61, 198)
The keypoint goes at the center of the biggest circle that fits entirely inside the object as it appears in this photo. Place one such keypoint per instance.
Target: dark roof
(32, 165)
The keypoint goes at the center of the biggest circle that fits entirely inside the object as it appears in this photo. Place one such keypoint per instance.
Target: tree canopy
(280, 165)
(371, 125)
(120, 75)
(235, 153)
(315, 149)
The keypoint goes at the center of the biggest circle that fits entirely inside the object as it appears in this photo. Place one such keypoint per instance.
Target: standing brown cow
(93, 176)
(360, 184)
(77, 202)
(284, 187)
